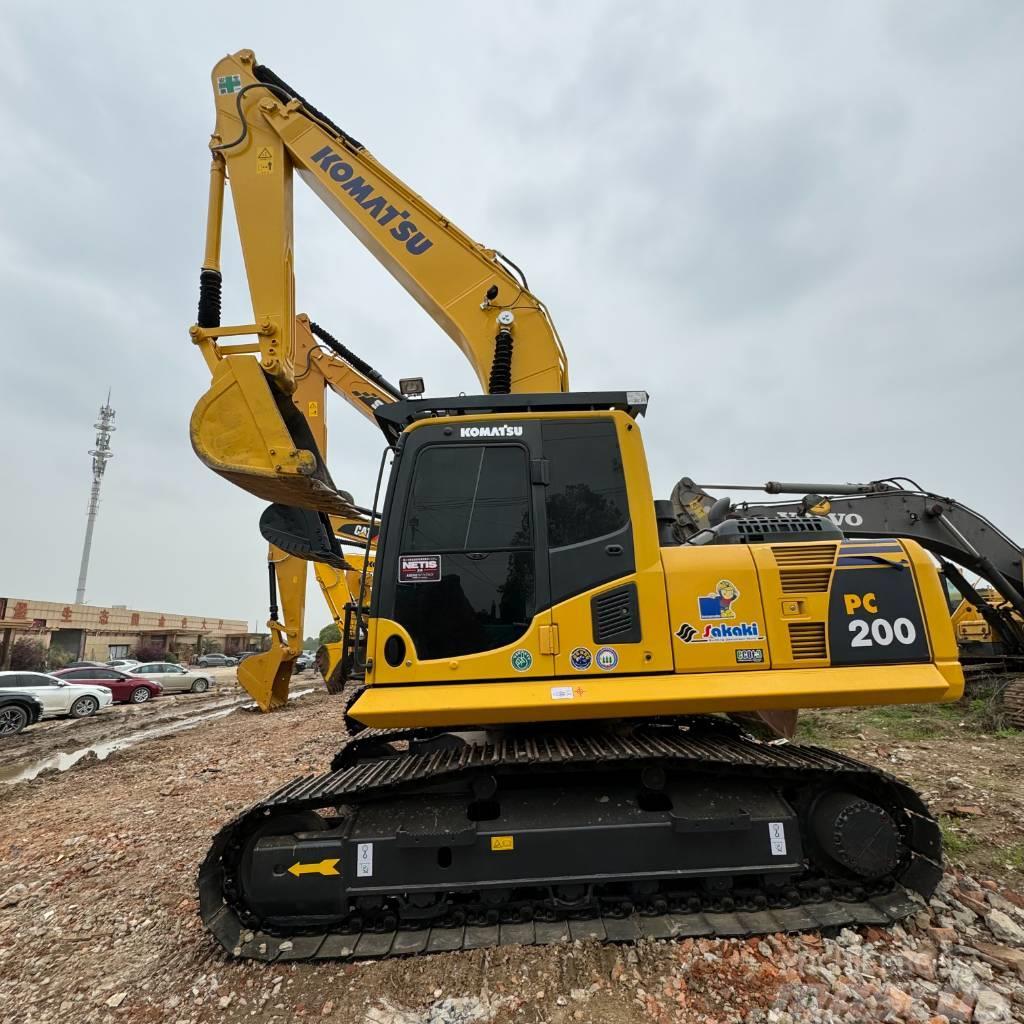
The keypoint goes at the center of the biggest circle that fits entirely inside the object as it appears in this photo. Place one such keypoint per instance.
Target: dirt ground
(98, 914)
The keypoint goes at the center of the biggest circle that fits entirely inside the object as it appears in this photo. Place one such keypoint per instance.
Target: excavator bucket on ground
(251, 434)
(265, 677)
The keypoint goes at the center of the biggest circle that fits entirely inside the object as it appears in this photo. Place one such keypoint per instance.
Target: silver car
(173, 678)
(59, 697)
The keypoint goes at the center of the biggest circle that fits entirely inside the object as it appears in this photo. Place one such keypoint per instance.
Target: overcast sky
(800, 226)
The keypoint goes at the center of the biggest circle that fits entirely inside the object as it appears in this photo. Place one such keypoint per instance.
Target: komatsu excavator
(538, 758)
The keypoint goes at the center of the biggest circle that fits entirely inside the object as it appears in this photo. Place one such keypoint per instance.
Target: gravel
(98, 924)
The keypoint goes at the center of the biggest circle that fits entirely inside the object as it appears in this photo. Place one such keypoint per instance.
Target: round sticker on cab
(606, 658)
(581, 659)
(522, 660)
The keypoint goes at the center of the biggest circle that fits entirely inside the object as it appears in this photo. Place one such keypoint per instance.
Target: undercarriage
(429, 840)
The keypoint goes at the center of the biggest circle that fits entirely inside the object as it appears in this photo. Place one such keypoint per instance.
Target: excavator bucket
(265, 677)
(251, 434)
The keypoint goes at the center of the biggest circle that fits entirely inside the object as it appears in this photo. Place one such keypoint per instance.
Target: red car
(127, 689)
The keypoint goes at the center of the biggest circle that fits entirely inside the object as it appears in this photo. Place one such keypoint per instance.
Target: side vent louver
(805, 568)
(807, 640)
(615, 616)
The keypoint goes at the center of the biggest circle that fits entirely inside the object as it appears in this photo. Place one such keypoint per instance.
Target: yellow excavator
(534, 754)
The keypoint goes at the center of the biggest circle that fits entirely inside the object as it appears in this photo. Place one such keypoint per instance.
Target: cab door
(460, 585)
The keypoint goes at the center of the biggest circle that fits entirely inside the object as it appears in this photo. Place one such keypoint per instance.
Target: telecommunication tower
(100, 455)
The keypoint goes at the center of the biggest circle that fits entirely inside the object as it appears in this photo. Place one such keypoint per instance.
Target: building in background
(92, 633)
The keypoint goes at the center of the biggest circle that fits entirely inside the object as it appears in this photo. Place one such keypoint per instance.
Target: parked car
(122, 664)
(216, 660)
(306, 660)
(127, 688)
(18, 710)
(246, 654)
(173, 678)
(59, 697)
(82, 664)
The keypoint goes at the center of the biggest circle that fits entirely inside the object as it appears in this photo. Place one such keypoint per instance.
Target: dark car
(18, 711)
(126, 688)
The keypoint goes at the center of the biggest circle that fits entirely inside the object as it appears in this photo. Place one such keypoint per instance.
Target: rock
(900, 1001)
(14, 894)
(990, 884)
(938, 1019)
(955, 782)
(966, 811)
(225, 1001)
(327, 1008)
(942, 935)
(1001, 955)
(117, 999)
(1005, 905)
(991, 1008)
(1004, 928)
(952, 1008)
(922, 964)
(979, 906)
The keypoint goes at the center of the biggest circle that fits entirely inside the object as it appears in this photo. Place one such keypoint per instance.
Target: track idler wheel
(856, 834)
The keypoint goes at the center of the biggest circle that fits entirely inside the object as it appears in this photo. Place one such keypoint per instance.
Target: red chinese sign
(21, 609)
(104, 616)
(65, 613)
(135, 618)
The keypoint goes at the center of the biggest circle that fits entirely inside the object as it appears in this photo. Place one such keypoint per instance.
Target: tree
(28, 655)
(148, 652)
(311, 643)
(330, 634)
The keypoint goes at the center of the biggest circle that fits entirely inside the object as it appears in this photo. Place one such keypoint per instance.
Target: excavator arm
(322, 363)
(246, 427)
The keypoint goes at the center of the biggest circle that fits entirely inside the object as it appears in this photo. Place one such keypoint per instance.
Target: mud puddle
(62, 760)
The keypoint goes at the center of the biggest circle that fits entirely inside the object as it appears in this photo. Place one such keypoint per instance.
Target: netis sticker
(419, 568)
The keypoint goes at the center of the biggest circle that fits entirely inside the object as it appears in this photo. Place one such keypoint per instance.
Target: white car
(123, 664)
(59, 697)
(173, 678)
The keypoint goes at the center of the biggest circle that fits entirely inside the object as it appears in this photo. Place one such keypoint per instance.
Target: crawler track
(368, 772)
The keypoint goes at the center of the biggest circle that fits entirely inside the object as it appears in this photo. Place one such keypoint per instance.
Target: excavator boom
(246, 428)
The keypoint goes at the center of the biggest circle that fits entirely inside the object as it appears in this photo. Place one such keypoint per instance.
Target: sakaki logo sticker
(581, 659)
(522, 660)
(607, 658)
(419, 568)
(719, 634)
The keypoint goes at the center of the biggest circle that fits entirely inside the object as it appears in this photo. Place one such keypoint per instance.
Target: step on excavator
(535, 749)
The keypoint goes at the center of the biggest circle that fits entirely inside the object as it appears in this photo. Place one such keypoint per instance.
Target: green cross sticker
(228, 84)
(522, 660)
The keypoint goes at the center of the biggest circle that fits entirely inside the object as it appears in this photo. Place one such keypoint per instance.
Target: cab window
(586, 495)
(469, 511)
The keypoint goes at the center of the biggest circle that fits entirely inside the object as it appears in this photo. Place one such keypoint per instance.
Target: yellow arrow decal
(322, 867)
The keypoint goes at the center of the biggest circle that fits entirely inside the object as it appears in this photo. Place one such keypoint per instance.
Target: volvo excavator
(534, 751)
